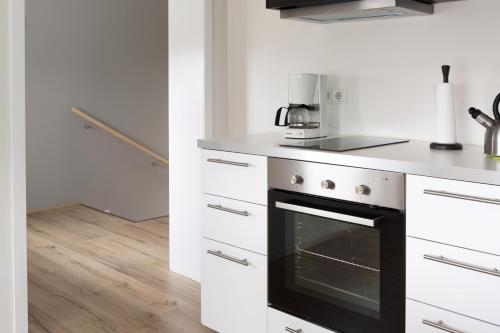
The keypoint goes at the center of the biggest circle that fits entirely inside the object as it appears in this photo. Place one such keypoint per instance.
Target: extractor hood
(358, 10)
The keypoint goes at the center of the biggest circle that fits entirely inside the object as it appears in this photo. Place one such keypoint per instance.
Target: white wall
(189, 78)
(13, 271)
(389, 67)
(111, 59)
(6, 273)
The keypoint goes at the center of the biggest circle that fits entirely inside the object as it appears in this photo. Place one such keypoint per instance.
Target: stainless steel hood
(358, 10)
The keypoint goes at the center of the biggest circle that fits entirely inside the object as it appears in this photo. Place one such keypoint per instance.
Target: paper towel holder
(449, 109)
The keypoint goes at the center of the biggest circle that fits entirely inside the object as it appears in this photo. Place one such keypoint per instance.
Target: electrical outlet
(339, 95)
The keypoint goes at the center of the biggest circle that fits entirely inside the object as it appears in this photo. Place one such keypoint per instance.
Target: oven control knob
(363, 190)
(296, 180)
(327, 185)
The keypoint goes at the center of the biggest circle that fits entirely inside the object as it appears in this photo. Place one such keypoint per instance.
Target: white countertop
(414, 157)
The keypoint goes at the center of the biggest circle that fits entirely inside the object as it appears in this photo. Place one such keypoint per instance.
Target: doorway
(97, 170)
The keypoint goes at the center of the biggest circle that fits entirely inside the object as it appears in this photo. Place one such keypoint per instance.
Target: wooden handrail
(85, 116)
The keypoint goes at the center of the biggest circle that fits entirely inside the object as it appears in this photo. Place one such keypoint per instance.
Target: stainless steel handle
(462, 197)
(290, 330)
(443, 260)
(326, 214)
(219, 254)
(228, 210)
(441, 326)
(219, 161)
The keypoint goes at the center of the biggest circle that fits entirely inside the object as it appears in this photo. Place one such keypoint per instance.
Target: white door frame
(190, 118)
(19, 166)
(13, 273)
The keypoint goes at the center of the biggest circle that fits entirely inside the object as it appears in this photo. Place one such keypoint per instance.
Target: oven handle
(326, 214)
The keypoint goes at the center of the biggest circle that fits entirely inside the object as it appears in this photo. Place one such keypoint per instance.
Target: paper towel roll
(445, 114)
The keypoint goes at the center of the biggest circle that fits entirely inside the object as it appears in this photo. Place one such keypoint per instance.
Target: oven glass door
(328, 263)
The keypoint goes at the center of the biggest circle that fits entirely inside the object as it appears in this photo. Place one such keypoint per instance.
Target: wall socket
(340, 96)
(337, 96)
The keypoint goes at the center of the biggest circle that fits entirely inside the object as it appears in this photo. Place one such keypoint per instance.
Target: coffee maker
(305, 116)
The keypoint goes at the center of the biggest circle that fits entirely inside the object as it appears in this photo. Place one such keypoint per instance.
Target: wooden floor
(91, 272)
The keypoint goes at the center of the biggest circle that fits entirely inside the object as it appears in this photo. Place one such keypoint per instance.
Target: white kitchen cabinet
(454, 212)
(280, 322)
(234, 289)
(234, 261)
(422, 318)
(236, 176)
(455, 279)
(234, 222)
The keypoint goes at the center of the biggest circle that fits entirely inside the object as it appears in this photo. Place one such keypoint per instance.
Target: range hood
(358, 10)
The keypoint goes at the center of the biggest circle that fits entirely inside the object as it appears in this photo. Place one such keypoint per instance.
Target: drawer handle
(462, 197)
(219, 254)
(441, 326)
(291, 330)
(228, 210)
(219, 161)
(455, 263)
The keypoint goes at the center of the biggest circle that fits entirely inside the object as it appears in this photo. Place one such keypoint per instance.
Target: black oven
(337, 264)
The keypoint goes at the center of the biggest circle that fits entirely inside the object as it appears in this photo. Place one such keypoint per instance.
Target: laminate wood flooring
(89, 272)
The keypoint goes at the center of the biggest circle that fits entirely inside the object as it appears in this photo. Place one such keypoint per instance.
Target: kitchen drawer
(237, 223)
(280, 322)
(457, 213)
(443, 321)
(233, 291)
(236, 176)
(454, 279)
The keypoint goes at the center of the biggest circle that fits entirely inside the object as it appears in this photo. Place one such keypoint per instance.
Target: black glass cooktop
(341, 144)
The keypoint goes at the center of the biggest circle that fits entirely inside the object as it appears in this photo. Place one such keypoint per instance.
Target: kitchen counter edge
(414, 157)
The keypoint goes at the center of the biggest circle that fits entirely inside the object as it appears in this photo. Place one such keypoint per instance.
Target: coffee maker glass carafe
(303, 116)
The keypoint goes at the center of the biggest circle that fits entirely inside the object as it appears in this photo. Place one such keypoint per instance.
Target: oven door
(337, 264)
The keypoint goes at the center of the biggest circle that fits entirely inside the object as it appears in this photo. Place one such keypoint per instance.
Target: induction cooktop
(342, 144)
